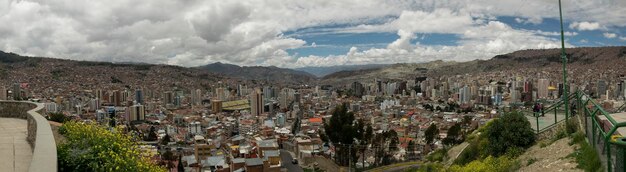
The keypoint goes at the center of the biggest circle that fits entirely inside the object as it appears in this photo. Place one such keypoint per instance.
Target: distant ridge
(270, 73)
(323, 71)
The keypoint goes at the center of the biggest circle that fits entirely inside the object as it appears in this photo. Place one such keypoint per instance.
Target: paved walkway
(15, 152)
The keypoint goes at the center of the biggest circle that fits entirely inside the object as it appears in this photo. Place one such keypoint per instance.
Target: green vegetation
(341, 133)
(502, 163)
(531, 161)
(494, 146)
(58, 117)
(90, 147)
(438, 156)
(511, 131)
(585, 155)
(431, 132)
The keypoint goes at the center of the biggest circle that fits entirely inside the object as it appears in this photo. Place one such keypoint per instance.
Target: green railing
(603, 135)
(551, 111)
(621, 108)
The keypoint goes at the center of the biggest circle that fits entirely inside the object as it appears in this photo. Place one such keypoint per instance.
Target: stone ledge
(40, 135)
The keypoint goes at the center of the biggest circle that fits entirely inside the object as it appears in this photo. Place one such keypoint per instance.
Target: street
(286, 158)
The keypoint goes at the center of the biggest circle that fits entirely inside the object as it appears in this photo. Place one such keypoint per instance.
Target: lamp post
(564, 57)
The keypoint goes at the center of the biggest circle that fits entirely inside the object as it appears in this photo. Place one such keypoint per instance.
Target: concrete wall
(39, 135)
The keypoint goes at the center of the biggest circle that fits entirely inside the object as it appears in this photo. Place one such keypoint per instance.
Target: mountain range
(14, 67)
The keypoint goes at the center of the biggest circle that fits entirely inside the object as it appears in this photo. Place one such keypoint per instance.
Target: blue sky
(300, 33)
(332, 43)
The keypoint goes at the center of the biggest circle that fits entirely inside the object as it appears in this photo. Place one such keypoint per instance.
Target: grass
(312, 170)
(586, 156)
(531, 161)
(383, 168)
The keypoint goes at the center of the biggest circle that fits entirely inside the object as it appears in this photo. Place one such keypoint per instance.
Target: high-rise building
(602, 87)
(99, 94)
(136, 113)
(139, 96)
(17, 91)
(528, 87)
(357, 89)
(257, 104)
(168, 97)
(542, 88)
(221, 94)
(125, 96)
(117, 98)
(51, 107)
(3, 93)
(216, 106)
(196, 97)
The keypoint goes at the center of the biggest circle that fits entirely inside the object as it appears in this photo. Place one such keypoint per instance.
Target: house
(254, 165)
(238, 163)
(215, 164)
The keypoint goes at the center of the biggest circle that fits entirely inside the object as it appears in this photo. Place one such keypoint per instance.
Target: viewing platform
(26, 139)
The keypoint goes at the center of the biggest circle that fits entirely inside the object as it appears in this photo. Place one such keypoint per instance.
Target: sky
(300, 33)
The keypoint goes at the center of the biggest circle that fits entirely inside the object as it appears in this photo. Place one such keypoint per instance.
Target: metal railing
(603, 136)
(553, 109)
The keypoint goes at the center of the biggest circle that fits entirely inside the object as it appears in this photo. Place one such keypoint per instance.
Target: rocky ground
(552, 157)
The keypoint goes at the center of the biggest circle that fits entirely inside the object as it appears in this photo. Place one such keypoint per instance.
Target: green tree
(58, 117)
(386, 145)
(431, 132)
(511, 131)
(91, 147)
(152, 136)
(166, 139)
(181, 168)
(341, 132)
(411, 148)
(295, 126)
(453, 135)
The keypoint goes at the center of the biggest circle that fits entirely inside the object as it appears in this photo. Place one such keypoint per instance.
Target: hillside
(587, 57)
(395, 71)
(323, 71)
(272, 73)
(50, 76)
(579, 58)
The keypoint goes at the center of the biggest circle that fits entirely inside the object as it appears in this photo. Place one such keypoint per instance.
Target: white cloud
(609, 35)
(582, 26)
(251, 32)
(532, 20)
(622, 38)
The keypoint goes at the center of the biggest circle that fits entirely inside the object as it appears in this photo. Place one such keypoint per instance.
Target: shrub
(512, 130)
(437, 156)
(571, 126)
(489, 164)
(58, 117)
(531, 161)
(90, 147)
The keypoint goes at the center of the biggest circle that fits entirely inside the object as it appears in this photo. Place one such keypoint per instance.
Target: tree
(91, 147)
(365, 133)
(453, 135)
(295, 126)
(58, 117)
(341, 132)
(411, 148)
(511, 131)
(180, 164)
(166, 139)
(152, 136)
(386, 146)
(168, 155)
(431, 132)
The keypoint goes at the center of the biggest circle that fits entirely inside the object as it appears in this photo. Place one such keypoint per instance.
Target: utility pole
(564, 57)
